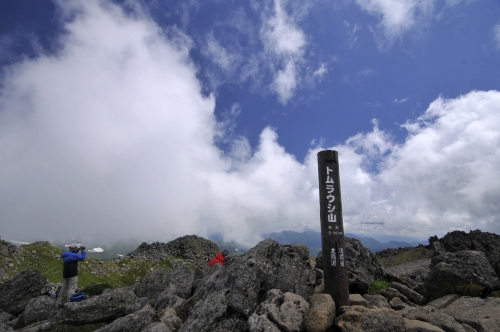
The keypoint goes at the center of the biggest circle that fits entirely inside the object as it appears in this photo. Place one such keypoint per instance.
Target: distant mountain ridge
(313, 240)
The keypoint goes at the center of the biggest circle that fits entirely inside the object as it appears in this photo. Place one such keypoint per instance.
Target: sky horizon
(157, 119)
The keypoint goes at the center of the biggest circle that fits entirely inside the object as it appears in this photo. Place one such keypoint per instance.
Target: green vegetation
(94, 275)
(410, 255)
(377, 285)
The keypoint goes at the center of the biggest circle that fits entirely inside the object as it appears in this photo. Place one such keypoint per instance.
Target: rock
(168, 299)
(7, 248)
(183, 252)
(5, 316)
(5, 327)
(110, 305)
(397, 304)
(157, 327)
(231, 294)
(412, 273)
(38, 309)
(260, 323)
(435, 317)
(363, 267)
(419, 326)
(438, 249)
(41, 244)
(285, 310)
(356, 299)
(357, 318)
(16, 292)
(390, 293)
(376, 301)
(481, 314)
(409, 293)
(443, 302)
(132, 322)
(321, 313)
(468, 328)
(462, 272)
(155, 283)
(169, 317)
(489, 243)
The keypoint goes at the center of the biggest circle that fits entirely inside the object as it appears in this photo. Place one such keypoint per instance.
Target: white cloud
(398, 17)
(496, 35)
(111, 138)
(321, 71)
(283, 38)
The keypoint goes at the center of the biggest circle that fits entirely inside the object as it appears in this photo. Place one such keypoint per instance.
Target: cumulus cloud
(111, 138)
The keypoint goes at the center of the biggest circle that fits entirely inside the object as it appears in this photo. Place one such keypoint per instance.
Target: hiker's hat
(73, 245)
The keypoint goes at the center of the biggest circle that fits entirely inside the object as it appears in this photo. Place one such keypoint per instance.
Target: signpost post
(332, 228)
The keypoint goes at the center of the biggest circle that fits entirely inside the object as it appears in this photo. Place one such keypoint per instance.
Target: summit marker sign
(332, 228)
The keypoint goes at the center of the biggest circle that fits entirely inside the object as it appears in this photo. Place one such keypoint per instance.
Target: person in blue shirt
(70, 272)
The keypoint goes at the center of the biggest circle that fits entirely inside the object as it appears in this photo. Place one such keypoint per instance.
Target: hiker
(70, 272)
(219, 258)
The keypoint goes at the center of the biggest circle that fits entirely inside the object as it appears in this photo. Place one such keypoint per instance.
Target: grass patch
(377, 285)
(410, 255)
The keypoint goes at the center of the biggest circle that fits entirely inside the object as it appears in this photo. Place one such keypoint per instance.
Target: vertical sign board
(332, 228)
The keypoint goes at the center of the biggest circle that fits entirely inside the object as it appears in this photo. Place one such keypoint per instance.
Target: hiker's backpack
(78, 297)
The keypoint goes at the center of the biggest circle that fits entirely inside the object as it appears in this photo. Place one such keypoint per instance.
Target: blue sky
(156, 119)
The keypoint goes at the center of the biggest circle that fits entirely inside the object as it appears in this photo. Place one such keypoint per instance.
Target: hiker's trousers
(68, 288)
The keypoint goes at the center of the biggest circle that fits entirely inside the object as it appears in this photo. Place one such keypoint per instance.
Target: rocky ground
(272, 287)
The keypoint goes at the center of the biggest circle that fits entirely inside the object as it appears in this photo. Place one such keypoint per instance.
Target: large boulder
(38, 309)
(409, 293)
(285, 310)
(481, 314)
(463, 272)
(16, 292)
(230, 294)
(489, 243)
(435, 317)
(321, 313)
(412, 273)
(186, 251)
(110, 305)
(133, 322)
(358, 318)
(157, 281)
(363, 267)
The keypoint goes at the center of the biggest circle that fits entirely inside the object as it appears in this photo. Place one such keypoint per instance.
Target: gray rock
(358, 318)
(260, 323)
(110, 305)
(389, 293)
(397, 304)
(132, 322)
(463, 273)
(438, 248)
(321, 313)
(443, 302)
(232, 293)
(38, 309)
(409, 293)
(412, 273)
(481, 314)
(489, 243)
(157, 327)
(16, 292)
(285, 310)
(169, 317)
(419, 326)
(7, 248)
(468, 328)
(357, 299)
(168, 299)
(5, 316)
(435, 317)
(5, 327)
(155, 283)
(363, 267)
(376, 301)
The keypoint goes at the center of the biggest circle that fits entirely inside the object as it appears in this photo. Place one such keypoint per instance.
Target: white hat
(73, 245)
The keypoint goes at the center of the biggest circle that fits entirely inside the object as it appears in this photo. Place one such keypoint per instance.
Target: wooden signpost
(332, 228)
